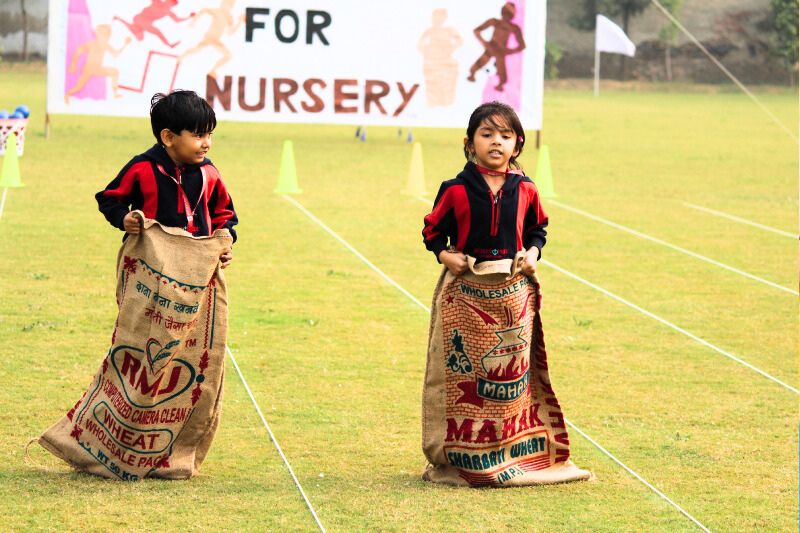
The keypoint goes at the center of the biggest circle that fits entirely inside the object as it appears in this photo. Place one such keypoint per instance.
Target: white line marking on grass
(274, 440)
(427, 310)
(742, 220)
(672, 246)
(637, 476)
(358, 254)
(669, 324)
(3, 201)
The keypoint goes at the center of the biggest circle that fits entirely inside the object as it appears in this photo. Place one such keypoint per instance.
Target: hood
(474, 180)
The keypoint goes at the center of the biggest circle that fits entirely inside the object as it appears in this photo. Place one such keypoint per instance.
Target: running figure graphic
(497, 46)
(222, 21)
(95, 50)
(143, 22)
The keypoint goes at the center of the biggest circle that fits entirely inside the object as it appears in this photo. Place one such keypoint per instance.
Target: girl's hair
(181, 110)
(500, 116)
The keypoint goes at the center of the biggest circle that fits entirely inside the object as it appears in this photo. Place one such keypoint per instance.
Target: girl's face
(493, 145)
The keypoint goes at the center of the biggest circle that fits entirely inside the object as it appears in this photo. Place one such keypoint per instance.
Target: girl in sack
(490, 415)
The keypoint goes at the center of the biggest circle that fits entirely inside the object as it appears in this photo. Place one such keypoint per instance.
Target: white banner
(379, 62)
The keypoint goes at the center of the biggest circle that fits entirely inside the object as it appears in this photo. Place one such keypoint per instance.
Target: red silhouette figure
(497, 46)
(143, 22)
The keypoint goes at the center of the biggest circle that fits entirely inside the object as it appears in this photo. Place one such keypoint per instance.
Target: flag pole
(596, 72)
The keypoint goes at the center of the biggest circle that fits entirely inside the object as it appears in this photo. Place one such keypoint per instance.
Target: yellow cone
(415, 186)
(544, 175)
(9, 176)
(287, 177)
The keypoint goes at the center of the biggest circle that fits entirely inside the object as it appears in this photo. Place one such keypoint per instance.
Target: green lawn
(335, 355)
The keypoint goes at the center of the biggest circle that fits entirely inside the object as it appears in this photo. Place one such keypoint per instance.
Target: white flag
(610, 38)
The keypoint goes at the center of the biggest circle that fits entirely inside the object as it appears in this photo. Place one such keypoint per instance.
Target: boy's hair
(500, 116)
(181, 110)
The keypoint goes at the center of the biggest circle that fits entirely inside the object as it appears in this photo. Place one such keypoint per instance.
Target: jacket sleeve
(220, 209)
(533, 229)
(439, 223)
(114, 201)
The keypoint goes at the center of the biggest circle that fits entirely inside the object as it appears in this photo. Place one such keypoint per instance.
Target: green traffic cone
(544, 174)
(415, 186)
(287, 177)
(9, 176)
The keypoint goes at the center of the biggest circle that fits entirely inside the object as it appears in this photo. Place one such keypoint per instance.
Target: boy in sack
(154, 405)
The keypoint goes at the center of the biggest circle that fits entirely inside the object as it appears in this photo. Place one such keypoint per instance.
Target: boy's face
(494, 145)
(187, 148)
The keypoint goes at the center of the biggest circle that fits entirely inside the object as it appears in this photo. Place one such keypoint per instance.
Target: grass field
(335, 355)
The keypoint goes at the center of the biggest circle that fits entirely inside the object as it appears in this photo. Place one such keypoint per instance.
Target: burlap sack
(489, 414)
(153, 407)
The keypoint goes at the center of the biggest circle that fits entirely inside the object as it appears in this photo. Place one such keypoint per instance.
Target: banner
(381, 62)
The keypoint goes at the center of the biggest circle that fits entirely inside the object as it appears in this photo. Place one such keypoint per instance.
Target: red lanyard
(490, 172)
(190, 227)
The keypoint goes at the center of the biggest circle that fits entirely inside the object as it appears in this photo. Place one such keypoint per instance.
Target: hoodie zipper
(496, 203)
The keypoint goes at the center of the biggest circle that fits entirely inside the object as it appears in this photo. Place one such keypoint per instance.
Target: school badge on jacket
(490, 415)
(154, 405)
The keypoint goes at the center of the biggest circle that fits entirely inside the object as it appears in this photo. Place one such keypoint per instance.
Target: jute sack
(154, 405)
(489, 414)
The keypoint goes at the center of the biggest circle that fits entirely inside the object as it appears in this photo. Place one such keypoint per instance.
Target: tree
(627, 9)
(24, 31)
(784, 20)
(584, 19)
(668, 34)
(552, 55)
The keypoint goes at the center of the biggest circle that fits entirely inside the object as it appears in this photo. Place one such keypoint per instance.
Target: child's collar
(159, 154)
(490, 172)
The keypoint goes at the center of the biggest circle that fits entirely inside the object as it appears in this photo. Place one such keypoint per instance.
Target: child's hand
(456, 262)
(226, 258)
(131, 223)
(529, 264)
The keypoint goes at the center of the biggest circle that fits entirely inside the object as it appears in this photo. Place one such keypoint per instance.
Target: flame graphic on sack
(507, 361)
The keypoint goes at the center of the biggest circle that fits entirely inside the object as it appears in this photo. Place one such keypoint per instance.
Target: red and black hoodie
(148, 182)
(484, 225)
